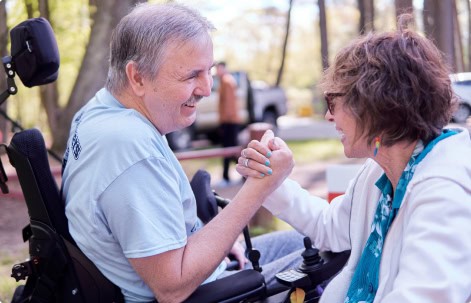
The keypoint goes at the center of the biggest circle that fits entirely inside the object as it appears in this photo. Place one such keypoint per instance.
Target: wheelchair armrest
(234, 288)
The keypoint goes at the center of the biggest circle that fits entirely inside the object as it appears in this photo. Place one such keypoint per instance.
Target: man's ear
(135, 80)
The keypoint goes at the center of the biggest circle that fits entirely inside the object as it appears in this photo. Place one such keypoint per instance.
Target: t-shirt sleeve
(143, 209)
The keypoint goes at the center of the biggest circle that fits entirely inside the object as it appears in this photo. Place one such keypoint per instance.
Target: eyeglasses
(329, 98)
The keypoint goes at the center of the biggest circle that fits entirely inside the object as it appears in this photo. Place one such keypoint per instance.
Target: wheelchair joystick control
(302, 280)
(300, 277)
(311, 258)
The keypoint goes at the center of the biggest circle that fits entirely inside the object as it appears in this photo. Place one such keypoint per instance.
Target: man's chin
(186, 124)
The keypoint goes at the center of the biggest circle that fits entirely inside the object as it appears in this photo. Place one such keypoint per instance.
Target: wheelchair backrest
(60, 271)
(28, 154)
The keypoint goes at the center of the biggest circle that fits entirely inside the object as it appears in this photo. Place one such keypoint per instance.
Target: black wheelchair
(57, 271)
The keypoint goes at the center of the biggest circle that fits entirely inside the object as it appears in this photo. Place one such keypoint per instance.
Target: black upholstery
(205, 200)
(60, 272)
(242, 285)
(34, 52)
(28, 149)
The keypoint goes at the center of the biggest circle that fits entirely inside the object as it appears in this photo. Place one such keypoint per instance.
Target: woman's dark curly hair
(396, 85)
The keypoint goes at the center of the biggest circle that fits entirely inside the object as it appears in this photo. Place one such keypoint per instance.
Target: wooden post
(257, 130)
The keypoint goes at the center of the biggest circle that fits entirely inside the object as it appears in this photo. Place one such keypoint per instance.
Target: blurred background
(281, 44)
(284, 43)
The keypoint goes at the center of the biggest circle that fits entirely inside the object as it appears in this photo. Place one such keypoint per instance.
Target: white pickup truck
(257, 103)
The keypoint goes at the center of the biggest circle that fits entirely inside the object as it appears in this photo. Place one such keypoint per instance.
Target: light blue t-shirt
(126, 194)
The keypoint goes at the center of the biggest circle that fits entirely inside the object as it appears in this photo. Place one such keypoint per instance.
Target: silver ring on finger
(246, 162)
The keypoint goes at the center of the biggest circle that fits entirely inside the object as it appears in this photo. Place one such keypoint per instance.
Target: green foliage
(71, 23)
(7, 288)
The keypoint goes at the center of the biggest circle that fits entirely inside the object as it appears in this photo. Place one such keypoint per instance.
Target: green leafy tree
(82, 30)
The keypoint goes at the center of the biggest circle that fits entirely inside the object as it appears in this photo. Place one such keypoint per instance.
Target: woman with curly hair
(406, 216)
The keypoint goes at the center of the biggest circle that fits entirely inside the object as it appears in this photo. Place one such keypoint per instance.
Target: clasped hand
(269, 160)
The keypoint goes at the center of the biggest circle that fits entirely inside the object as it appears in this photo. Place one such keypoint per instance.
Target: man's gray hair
(144, 35)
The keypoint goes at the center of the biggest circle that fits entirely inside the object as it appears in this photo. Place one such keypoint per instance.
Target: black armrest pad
(244, 284)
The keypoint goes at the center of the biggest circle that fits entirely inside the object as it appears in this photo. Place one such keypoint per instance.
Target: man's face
(183, 79)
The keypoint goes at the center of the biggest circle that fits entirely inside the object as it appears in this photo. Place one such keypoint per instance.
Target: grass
(7, 283)
(312, 151)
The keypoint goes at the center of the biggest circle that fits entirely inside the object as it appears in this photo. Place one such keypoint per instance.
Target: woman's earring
(377, 145)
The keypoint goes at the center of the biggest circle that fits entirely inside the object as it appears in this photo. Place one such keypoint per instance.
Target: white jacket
(427, 251)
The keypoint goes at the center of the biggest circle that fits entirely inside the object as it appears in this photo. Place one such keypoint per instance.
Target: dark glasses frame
(329, 98)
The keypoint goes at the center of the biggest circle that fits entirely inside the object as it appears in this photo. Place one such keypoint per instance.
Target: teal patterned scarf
(366, 277)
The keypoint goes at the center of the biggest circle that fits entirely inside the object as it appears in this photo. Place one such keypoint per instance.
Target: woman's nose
(328, 116)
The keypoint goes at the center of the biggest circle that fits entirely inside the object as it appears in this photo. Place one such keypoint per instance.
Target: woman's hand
(270, 158)
(255, 160)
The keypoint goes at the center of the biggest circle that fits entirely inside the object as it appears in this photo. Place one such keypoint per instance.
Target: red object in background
(338, 176)
(331, 196)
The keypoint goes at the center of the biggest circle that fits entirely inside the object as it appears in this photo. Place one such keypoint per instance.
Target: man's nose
(205, 84)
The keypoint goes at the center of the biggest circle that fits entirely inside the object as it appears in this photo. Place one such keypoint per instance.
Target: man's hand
(238, 252)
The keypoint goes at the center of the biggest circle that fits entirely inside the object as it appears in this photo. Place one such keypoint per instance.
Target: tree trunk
(94, 68)
(429, 13)
(323, 31)
(29, 8)
(403, 6)
(285, 44)
(49, 93)
(366, 8)
(468, 8)
(438, 25)
(459, 60)
(3, 53)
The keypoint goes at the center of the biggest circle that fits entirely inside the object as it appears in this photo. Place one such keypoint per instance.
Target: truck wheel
(462, 113)
(180, 139)
(270, 117)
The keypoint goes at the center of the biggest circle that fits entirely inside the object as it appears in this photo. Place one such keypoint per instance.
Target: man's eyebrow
(197, 71)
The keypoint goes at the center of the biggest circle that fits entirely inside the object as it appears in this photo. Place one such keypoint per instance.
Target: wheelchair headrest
(34, 52)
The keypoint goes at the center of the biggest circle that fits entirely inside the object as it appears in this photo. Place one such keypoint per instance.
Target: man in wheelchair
(129, 207)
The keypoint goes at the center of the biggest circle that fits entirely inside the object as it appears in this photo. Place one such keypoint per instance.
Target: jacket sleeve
(435, 262)
(326, 224)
